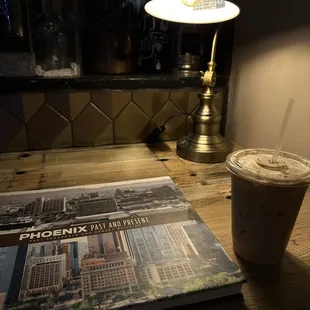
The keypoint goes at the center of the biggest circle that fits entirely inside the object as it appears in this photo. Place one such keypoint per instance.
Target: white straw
(281, 137)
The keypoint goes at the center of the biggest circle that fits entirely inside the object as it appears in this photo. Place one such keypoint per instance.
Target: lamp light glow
(176, 11)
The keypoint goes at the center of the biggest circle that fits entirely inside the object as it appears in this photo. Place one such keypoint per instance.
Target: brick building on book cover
(45, 275)
(100, 275)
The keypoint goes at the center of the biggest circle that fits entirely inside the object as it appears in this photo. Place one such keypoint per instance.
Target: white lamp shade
(176, 11)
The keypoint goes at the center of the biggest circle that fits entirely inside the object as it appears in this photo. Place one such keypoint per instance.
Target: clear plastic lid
(256, 165)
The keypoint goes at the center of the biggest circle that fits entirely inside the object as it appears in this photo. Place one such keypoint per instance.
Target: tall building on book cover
(106, 246)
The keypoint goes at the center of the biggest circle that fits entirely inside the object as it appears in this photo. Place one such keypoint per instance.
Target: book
(136, 244)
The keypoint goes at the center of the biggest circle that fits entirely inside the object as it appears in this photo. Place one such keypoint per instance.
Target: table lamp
(204, 144)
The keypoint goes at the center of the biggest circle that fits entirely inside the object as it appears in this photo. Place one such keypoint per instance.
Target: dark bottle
(11, 20)
(13, 26)
(16, 55)
(107, 39)
(154, 43)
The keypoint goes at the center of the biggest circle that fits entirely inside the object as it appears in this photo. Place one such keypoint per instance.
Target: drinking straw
(283, 129)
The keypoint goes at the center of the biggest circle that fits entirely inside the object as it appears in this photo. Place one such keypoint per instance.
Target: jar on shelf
(188, 49)
(193, 44)
(55, 38)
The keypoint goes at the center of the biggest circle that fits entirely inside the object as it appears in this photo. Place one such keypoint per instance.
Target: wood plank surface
(206, 186)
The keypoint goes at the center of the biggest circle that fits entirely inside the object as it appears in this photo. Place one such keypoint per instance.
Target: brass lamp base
(205, 144)
(214, 150)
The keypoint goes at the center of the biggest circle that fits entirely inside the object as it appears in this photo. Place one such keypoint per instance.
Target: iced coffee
(266, 199)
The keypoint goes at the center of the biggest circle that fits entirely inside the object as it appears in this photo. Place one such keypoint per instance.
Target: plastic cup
(266, 199)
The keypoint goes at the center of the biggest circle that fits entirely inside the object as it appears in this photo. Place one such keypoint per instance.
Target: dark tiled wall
(34, 121)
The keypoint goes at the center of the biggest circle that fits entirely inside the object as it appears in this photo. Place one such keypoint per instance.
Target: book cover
(106, 246)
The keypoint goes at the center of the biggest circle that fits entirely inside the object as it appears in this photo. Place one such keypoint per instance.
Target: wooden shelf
(97, 82)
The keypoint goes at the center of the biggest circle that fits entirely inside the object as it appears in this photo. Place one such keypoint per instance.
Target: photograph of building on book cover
(41, 210)
(168, 253)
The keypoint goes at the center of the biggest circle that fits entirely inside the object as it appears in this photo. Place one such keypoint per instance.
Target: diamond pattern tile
(186, 101)
(32, 102)
(13, 137)
(48, 129)
(23, 106)
(150, 101)
(132, 126)
(176, 127)
(58, 119)
(92, 128)
(111, 103)
(68, 104)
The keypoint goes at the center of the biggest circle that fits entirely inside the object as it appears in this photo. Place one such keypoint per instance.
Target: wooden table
(207, 187)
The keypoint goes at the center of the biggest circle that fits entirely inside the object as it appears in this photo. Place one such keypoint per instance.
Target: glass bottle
(55, 33)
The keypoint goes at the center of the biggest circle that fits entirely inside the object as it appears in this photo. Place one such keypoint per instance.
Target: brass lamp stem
(208, 78)
(214, 45)
(205, 144)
